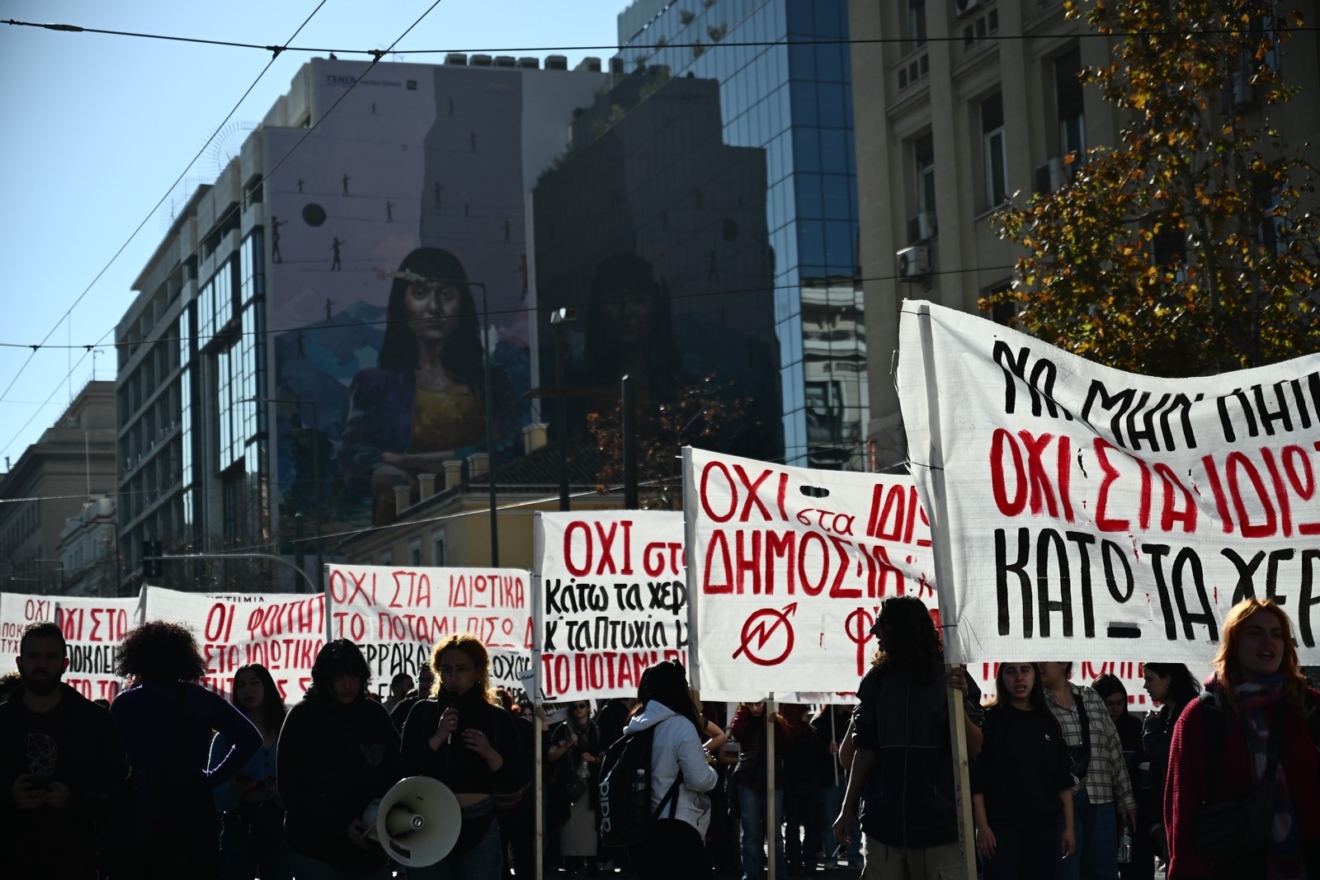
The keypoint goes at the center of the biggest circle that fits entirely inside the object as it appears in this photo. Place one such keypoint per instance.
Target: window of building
(415, 554)
(1068, 97)
(916, 24)
(438, 548)
(1169, 245)
(387, 558)
(923, 150)
(995, 153)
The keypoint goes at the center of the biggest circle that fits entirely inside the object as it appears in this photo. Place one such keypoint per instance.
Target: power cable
(275, 53)
(767, 288)
(220, 222)
(378, 53)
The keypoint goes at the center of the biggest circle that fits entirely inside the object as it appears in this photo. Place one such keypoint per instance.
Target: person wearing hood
(337, 752)
(463, 737)
(675, 847)
(60, 765)
(1257, 693)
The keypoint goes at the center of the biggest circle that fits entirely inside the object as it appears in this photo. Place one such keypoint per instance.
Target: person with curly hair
(338, 751)
(165, 720)
(463, 737)
(901, 768)
(252, 816)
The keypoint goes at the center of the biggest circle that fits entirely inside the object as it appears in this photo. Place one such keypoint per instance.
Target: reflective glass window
(804, 103)
(806, 149)
(808, 195)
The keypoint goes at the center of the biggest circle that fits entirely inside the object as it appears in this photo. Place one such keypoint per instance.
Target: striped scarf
(1283, 850)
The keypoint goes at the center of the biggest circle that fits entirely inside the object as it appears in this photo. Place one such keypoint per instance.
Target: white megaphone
(417, 822)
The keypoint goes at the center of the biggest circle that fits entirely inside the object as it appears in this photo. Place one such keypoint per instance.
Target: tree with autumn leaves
(1191, 247)
(702, 414)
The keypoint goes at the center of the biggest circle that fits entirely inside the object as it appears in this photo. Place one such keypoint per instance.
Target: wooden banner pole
(536, 782)
(771, 826)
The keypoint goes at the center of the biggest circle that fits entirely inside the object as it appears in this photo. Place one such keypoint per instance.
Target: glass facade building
(785, 86)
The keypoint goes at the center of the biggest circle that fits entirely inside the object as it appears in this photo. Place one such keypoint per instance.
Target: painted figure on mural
(630, 332)
(423, 403)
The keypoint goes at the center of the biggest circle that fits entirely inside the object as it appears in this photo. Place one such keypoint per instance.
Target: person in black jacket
(61, 765)
(465, 739)
(903, 757)
(165, 722)
(1172, 686)
(338, 752)
(1021, 781)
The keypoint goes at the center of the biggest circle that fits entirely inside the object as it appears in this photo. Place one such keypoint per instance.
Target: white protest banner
(612, 600)
(396, 615)
(281, 631)
(787, 569)
(92, 627)
(1081, 511)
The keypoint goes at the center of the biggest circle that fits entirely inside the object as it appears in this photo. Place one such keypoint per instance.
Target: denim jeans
(242, 858)
(308, 868)
(802, 828)
(484, 861)
(830, 801)
(1026, 852)
(751, 809)
(1096, 829)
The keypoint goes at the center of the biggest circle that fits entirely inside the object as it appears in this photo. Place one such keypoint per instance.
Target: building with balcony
(962, 104)
(71, 465)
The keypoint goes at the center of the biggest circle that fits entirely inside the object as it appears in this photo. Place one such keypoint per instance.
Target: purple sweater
(149, 715)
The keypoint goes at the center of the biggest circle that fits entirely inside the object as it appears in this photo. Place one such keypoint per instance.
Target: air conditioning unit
(966, 6)
(913, 262)
(1052, 176)
(922, 227)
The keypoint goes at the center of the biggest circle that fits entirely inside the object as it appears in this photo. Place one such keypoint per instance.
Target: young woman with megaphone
(464, 738)
(338, 752)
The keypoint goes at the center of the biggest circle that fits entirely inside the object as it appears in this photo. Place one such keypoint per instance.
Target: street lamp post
(316, 478)
(488, 354)
(558, 318)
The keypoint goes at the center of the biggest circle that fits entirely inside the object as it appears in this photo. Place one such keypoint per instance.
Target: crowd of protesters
(174, 781)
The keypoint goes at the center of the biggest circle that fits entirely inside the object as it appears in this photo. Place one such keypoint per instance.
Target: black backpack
(624, 810)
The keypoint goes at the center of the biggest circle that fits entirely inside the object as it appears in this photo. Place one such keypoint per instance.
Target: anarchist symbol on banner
(758, 628)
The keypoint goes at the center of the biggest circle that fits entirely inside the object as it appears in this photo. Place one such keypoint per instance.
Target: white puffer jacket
(677, 746)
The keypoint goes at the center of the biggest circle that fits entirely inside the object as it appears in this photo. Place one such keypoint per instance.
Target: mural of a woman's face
(627, 311)
(432, 309)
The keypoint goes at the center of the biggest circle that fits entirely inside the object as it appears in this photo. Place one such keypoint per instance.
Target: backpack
(624, 810)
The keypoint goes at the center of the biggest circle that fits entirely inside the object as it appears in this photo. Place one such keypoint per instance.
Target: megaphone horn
(417, 822)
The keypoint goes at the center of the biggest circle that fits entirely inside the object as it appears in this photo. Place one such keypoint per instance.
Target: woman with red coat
(1256, 677)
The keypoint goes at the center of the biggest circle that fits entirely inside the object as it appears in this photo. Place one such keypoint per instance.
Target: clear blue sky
(94, 129)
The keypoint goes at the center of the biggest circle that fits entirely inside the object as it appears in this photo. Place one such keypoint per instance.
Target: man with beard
(61, 764)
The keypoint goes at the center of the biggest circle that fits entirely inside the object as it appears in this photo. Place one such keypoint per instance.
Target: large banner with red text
(612, 600)
(397, 615)
(92, 627)
(787, 570)
(1083, 511)
(281, 631)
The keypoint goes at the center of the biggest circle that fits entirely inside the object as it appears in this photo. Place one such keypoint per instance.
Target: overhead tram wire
(234, 44)
(745, 291)
(378, 54)
(275, 53)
